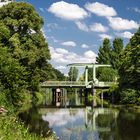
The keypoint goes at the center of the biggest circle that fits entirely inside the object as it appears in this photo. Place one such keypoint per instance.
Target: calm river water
(83, 123)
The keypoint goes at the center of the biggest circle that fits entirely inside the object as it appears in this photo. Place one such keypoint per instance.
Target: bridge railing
(75, 83)
(63, 83)
(103, 84)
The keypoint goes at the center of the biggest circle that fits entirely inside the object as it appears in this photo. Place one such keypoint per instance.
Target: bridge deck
(50, 84)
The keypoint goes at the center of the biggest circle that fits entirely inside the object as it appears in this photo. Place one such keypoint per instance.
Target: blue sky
(75, 29)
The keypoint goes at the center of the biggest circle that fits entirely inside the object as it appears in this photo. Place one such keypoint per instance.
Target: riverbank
(11, 129)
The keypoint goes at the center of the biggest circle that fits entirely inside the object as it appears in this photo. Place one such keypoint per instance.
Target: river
(82, 122)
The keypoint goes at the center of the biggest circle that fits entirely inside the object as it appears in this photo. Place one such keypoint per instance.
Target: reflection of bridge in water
(59, 88)
(87, 120)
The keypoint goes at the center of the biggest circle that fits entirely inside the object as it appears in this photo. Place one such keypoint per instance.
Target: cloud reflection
(62, 117)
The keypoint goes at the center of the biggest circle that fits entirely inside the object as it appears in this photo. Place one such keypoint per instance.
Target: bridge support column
(80, 95)
(102, 98)
(76, 98)
(86, 75)
(53, 96)
(65, 97)
(94, 103)
(86, 95)
(58, 97)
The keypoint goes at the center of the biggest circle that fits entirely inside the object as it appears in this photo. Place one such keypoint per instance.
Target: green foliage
(129, 70)
(58, 75)
(73, 74)
(13, 85)
(24, 39)
(11, 128)
(106, 74)
(109, 55)
(23, 53)
(129, 96)
(116, 51)
(104, 52)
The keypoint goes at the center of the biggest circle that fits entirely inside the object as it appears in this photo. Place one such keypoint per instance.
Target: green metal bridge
(87, 84)
(78, 84)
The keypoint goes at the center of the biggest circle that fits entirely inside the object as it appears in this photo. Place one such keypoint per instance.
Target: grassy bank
(13, 129)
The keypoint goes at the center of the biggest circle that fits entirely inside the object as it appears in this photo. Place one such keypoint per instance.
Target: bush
(129, 96)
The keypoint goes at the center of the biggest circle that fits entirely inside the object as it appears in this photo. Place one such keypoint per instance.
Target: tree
(73, 74)
(104, 57)
(12, 81)
(104, 52)
(58, 75)
(21, 34)
(116, 51)
(24, 53)
(129, 71)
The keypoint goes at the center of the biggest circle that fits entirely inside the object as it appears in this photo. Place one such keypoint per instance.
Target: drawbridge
(77, 84)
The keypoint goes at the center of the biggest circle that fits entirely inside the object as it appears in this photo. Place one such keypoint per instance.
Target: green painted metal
(89, 65)
(48, 84)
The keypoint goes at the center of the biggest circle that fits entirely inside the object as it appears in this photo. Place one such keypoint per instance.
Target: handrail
(74, 83)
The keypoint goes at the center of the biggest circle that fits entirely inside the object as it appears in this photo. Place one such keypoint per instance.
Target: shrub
(129, 96)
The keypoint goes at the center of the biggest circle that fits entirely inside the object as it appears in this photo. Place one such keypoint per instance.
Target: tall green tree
(104, 52)
(21, 33)
(116, 51)
(73, 74)
(104, 57)
(130, 63)
(129, 71)
(24, 53)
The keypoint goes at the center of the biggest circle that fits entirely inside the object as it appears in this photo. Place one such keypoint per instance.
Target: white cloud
(118, 23)
(63, 56)
(62, 51)
(67, 11)
(61, 67)
(101, 9)
(90, 54)
(69, 43)
(103, 36)
(85, 46)
(125, 34)
(98, 27)
(82, 26)
(95, 27)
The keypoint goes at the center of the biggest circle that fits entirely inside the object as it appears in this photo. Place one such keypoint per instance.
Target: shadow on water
(82, 122)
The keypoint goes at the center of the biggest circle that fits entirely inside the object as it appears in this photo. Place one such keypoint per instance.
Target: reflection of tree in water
(35, 123)
(129, 125)
(105, 120)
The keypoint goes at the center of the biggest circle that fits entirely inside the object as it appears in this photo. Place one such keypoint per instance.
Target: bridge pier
(59, 97)
(80, 95)
(53, 96)
(93, 92)
(102, 98)
(86, 95)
